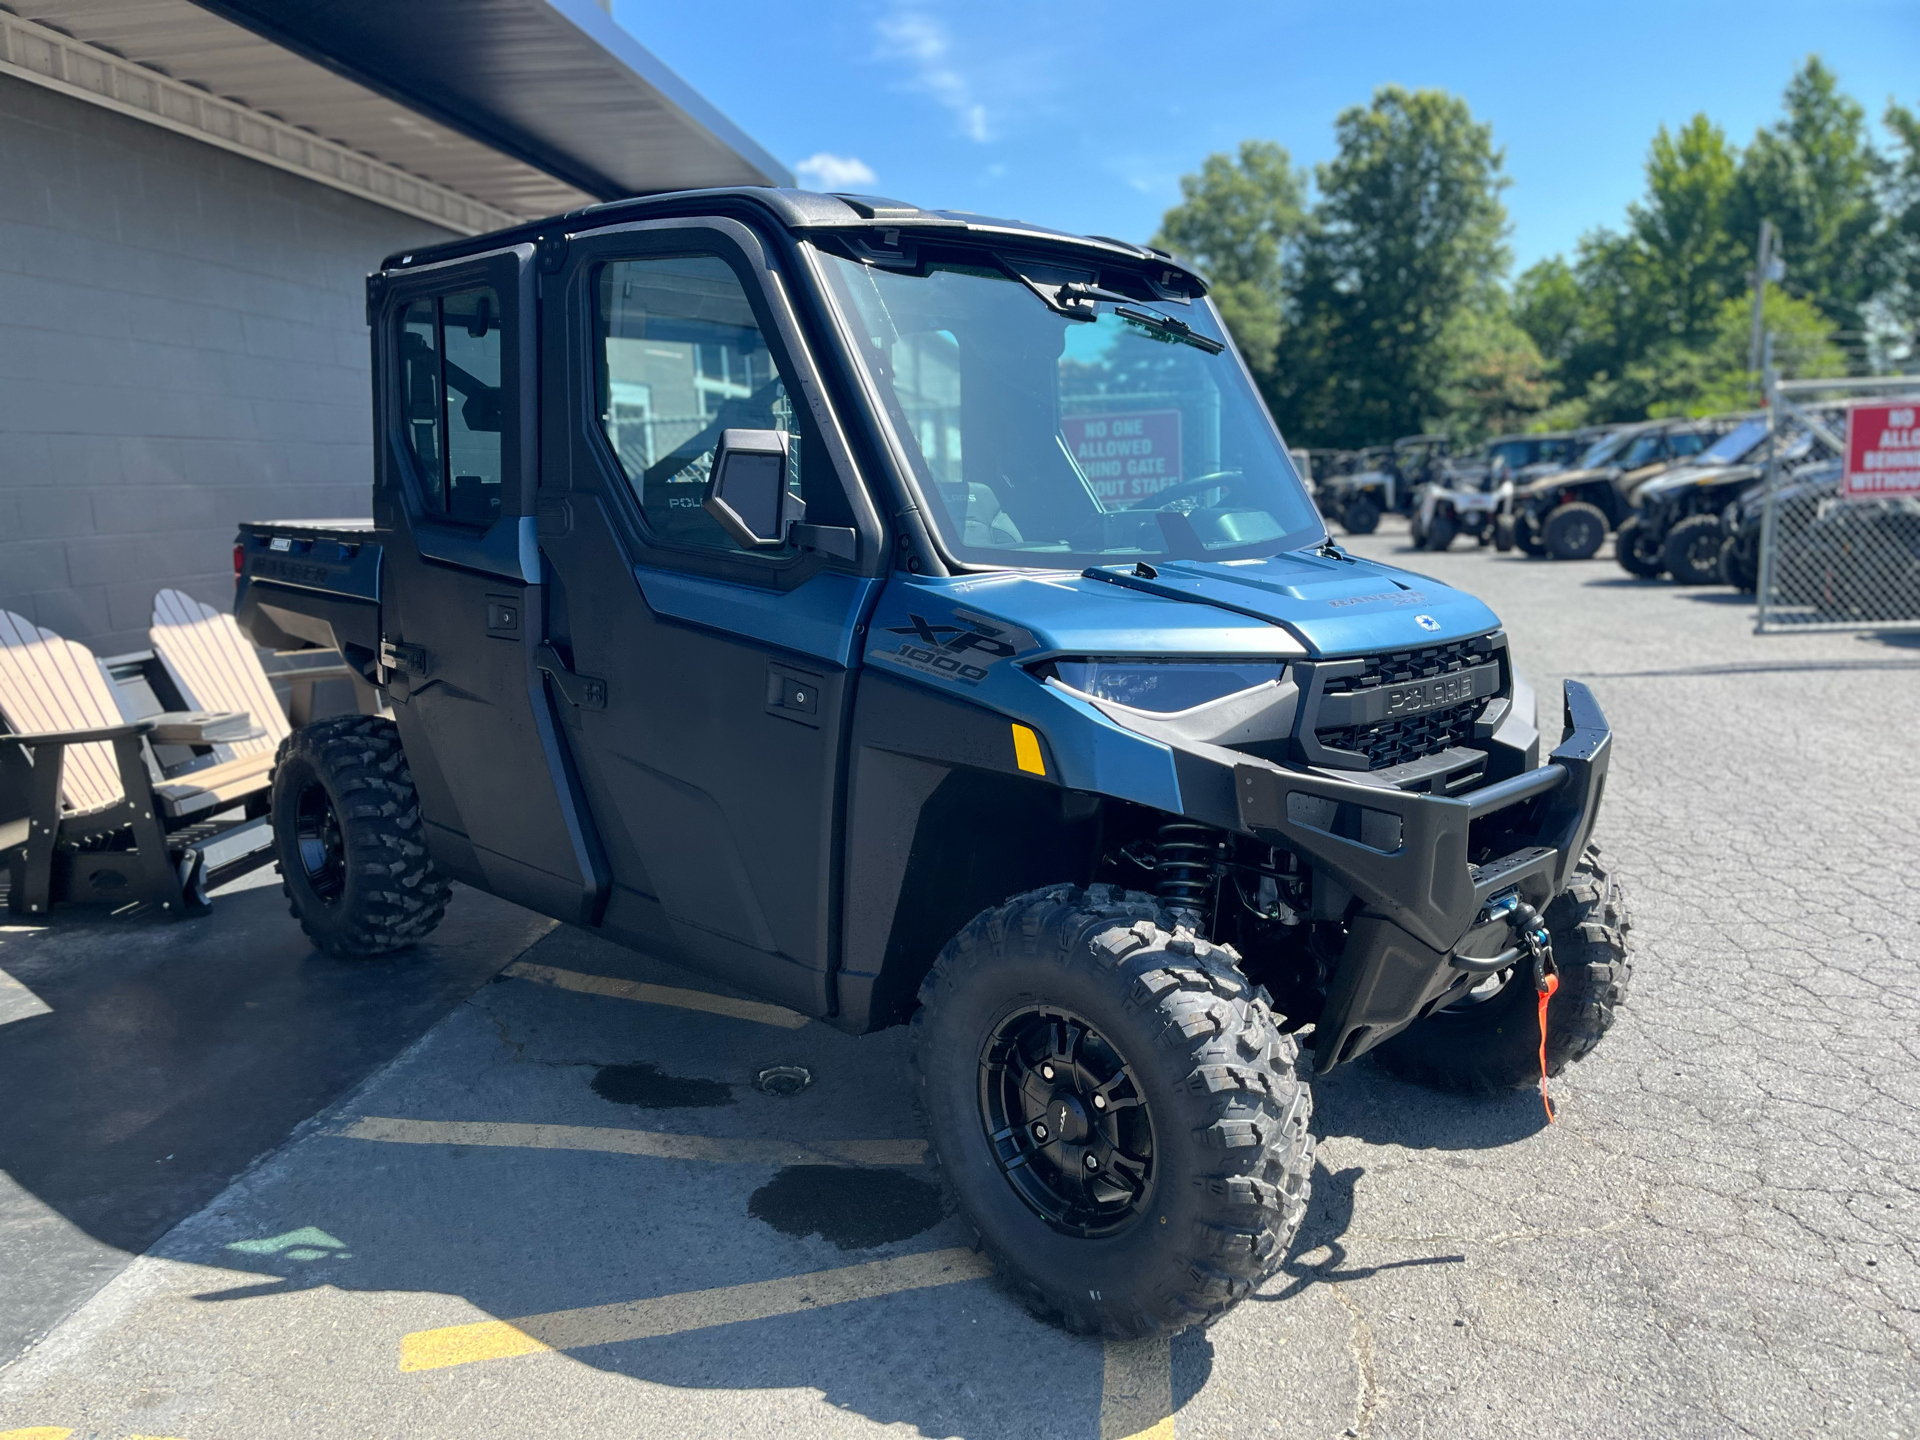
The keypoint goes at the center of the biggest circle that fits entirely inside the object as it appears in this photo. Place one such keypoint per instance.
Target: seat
(86, 814)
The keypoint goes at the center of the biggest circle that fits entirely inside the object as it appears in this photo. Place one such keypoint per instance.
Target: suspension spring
(1183, 864)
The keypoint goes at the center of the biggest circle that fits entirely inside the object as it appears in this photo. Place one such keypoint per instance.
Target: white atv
(1464, 500)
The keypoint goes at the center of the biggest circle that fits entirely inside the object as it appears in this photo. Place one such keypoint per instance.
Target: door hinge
(411, 660)
(585, 692)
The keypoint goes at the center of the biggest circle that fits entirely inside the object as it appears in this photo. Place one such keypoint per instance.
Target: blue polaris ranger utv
(912, 617)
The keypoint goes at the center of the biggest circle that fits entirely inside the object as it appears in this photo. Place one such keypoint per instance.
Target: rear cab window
(450, 402)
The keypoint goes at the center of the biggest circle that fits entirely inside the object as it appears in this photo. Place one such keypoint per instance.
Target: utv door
(455, 364)
(705, 688)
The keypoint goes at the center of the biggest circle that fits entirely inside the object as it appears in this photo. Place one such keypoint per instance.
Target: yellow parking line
(585, 984)
(692, 1310)
(37, 1432)
(654, 1143)
(1136, 1391)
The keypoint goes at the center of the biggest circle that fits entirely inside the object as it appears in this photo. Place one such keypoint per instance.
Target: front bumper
(1405, 858)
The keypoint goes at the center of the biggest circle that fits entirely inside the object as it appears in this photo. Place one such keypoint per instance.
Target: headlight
(1160, 686)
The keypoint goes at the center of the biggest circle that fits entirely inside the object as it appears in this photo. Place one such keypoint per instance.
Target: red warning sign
(1128, 457)
(1883, 451)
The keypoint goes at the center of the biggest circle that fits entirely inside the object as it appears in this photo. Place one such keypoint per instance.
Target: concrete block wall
(182, 346)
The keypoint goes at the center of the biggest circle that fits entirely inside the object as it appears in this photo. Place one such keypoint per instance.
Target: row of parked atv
(1682, 497)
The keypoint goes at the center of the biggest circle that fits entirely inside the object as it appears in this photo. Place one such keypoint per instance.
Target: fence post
(1763, 581)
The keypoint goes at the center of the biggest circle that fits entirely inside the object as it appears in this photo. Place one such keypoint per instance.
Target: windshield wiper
(1079, 300)
(1166, 327)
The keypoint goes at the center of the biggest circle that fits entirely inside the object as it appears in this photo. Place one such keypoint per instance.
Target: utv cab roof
(804, 211)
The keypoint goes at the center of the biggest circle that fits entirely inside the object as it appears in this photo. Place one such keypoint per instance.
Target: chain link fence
(1825, 559)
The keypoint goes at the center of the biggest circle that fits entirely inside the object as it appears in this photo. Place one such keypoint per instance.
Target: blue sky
(1086, 115)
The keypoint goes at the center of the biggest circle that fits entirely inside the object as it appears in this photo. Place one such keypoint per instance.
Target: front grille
(1394, 742)
(1404, 665)
(1410, 737)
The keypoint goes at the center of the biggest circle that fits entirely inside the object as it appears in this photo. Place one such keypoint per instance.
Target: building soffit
(179, 65)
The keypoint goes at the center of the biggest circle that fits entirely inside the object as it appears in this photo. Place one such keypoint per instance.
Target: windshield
(1735, 443)
(1643, 451)
(1602, 450)
(1044, 441)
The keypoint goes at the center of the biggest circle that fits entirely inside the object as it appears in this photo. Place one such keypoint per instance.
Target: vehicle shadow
(1330, 1214)
(1716, 596)
(1366, 1103)
(516, 1230)
(146, 1062)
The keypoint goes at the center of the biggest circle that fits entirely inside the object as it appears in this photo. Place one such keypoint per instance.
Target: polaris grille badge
(1426, 622)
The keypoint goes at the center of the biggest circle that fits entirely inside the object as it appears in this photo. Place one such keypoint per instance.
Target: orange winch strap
(1548, 984)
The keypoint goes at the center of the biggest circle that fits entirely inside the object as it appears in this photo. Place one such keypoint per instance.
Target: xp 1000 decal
(957, 646)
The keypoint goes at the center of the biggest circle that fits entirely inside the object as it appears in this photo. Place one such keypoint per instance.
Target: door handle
(583, 692)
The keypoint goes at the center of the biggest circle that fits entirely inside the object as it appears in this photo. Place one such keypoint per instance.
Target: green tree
(1407, 238)
(1551, 305)
(1495, 379)
(1713, 378)
(1818, 179)
(1238, 221)
(1687, 259)
(1654, 289)
(1901, 297)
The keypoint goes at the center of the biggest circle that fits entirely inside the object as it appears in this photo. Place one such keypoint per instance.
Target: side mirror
(747, 489)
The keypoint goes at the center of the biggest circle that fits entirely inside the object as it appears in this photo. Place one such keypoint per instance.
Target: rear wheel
(1692, 551)
(1526, 535)
(1489, 1040)
(1503, 533)
(1362, 515)
(1114, 1109)
(347, 833)
(1637, 551)
(1574, 531)
(1441, 530)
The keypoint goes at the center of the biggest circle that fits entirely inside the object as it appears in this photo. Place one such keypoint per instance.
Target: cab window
(680, 358)
(450, 402)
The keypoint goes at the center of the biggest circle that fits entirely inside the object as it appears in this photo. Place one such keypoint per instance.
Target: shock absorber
(1183, 864)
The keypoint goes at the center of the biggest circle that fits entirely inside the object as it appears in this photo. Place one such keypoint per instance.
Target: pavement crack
(1366, 1400)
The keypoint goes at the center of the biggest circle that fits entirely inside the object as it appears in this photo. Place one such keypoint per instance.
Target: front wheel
(1739, 567)
(1489, 1039)
(1441, 531)
(1574, 531)
(348, 836)
(1361, 516)
(1114, 1108)
(1637, 550)
(1693, 550)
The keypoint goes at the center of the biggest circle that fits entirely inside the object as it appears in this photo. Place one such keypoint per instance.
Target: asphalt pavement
(582, 1203)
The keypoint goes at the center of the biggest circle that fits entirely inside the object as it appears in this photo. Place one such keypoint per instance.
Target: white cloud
(827, 171)
(924, 44)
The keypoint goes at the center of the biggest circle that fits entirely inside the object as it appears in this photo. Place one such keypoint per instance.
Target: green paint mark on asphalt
(306, 1243)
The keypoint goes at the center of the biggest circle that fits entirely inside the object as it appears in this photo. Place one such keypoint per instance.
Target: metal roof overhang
(530, 107)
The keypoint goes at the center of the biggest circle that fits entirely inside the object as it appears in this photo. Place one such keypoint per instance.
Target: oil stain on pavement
(855, 1209)
(651, 1088)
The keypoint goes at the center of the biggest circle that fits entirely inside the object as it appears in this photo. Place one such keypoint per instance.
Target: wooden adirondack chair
(214, 667)
(85, 814)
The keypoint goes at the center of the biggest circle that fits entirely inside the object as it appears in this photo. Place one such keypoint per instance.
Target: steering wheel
(1171, 497)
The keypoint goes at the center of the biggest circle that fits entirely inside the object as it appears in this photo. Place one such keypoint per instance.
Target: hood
(1285, 604)
(1686, 477)
(1334, 607)
(1553, 479)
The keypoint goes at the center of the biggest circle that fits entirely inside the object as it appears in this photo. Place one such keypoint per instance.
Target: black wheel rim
(1576, 534)
(323, 851)
(1067, 1121)
(1703, 552)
